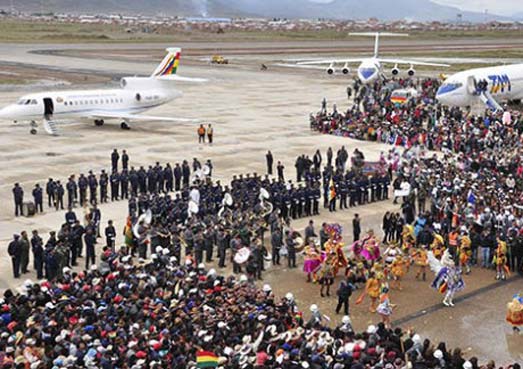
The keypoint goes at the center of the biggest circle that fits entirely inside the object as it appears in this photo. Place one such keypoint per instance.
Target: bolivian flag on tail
(332, 190)
(206, 359)
(169, 64)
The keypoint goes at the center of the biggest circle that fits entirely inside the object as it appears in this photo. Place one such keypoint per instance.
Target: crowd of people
(167, 314)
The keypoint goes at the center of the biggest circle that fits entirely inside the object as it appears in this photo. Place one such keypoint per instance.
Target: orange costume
(515, 311)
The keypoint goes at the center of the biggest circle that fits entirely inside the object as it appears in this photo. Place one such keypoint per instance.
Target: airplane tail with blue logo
(167, 69)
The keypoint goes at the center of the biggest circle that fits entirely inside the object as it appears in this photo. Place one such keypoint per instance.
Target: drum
(29, 209)
(242, 255)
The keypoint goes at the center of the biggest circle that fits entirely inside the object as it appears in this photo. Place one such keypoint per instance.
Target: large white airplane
(490, 85)
(136, 94)
(369, 68)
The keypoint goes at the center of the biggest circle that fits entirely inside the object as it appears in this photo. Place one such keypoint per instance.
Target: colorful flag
(206, 359)
(332, 190)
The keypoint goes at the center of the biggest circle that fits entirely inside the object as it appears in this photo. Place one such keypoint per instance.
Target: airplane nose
(5, 113)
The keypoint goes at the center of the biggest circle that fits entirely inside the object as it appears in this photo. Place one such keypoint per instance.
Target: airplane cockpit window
(138, 97)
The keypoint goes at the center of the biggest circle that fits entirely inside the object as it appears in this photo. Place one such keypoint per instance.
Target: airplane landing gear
(33, 131)
(99, 122)
(125, 126)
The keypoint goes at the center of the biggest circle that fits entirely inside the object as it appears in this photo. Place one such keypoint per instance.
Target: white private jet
(369, 68)
(137, 94)
(490, 85)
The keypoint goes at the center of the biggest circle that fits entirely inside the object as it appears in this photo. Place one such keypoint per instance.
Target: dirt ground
(252, 112)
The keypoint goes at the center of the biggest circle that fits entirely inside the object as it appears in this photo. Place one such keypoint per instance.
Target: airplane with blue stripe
(370, 68)
(490, 86)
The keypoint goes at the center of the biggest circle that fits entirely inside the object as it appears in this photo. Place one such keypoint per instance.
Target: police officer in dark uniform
(291, 248)
(59, 193)
(125, 160)
(142, 180)
(77, 231)
(83, 183)
(93, 185)
(49, 188)
(38, 254)
(115, 185)
(70, 216)
(309, 198)
(38, 195)
(133, 179)
(186, 173)
(168, 178)
(104, 181)
(316, 192)
(72, 191)
(114, 160)
(344, 191)
(90, 240)
(276, 243)
(124, 184)
(177, 173)
(353, 193)
(221, 240)
(110, 235)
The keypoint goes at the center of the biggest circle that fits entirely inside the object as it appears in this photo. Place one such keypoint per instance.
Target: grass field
(53, 32)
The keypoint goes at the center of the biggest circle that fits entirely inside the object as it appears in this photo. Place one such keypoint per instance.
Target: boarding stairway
(50, 127)
(489, 101)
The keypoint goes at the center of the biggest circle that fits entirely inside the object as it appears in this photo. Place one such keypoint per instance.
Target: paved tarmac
(252, 112)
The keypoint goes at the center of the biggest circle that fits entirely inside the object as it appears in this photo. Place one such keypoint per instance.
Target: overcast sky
(502, 7)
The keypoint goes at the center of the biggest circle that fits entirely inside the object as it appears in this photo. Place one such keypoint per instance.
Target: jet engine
(395, 71)
(330, 69)
(411, 72)
(346, 69)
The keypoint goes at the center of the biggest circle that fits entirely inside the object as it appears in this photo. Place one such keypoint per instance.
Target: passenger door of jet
(48, 107)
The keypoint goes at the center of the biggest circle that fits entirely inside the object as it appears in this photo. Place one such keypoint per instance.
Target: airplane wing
(137, 117)
(412, 62)
(332, 61)
(299, 66)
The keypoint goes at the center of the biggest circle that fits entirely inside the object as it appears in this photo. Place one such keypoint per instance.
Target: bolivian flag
(398, 100)
(206, 359)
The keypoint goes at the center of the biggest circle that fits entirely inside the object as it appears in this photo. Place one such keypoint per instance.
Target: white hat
(438, 354)
(211, 271)
(314, 308)
(467, 365)
(201, 266)
(221, 325)
(243, 278)
(305, 365)
(371, 329)
(289, 296)
(416, 338)
(345, 319)
(267, 288)
(166, 251)
(158, 249)
(94, 267)
(66, 270)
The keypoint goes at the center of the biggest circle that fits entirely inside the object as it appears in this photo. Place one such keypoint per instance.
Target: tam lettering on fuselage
(499, 83)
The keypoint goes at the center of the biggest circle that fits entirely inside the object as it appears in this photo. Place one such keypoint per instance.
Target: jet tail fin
(376, 36)
(169, 64)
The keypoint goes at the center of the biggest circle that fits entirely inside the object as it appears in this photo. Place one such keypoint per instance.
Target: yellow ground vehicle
(218, 59)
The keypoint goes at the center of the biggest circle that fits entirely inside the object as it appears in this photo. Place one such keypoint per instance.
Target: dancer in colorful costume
(370, 249)
(385, 307)
(515, 312)
(500, 260)
(448, 279)
(421, 260)
(334, 246)
(465, 250)
(312, 262)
